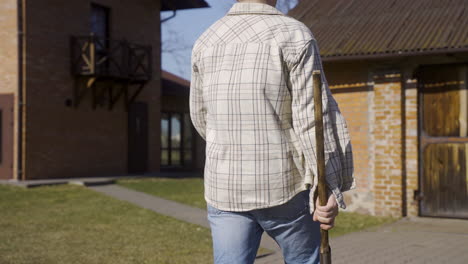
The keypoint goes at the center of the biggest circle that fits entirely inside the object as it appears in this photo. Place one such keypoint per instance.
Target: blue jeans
(236, 235)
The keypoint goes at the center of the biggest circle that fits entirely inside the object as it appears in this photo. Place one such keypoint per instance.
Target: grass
(348, 222)
(186, 190)
(190, 191)
(72, 224)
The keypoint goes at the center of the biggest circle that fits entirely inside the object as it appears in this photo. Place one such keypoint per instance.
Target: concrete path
(418, 240)
(89, 181)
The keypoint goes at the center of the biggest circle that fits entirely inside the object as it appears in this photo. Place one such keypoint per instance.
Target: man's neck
(268, 2)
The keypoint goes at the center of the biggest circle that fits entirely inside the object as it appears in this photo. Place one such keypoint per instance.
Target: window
(100, 29)
(176, 140)
(100, 21)
(187, 140)
(176, 131)
(101, 43)
(164, 139)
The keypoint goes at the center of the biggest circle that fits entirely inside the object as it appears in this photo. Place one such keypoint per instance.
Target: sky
(179, 33)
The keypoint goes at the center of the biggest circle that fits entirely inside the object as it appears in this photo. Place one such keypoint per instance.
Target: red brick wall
(371, 102)
(396, 144)
(411, 144)
(349, 85)
(67, 142)
(388, 139)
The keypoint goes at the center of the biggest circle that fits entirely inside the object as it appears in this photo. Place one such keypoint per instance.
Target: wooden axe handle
(325, 251)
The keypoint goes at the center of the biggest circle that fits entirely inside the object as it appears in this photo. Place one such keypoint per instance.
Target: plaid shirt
(251, 99)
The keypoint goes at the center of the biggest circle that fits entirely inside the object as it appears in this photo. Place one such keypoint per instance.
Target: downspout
(174, 10)
(404, 175)
(20, 174)
(172, 16)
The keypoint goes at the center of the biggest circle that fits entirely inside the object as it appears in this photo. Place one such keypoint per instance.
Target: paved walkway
(88, 181)
(418, 240)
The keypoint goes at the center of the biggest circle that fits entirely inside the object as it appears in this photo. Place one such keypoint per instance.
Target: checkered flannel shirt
(251, 99)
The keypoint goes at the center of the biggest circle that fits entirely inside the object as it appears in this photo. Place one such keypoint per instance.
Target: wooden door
(6, 136)
(138, 137)
(443, 150)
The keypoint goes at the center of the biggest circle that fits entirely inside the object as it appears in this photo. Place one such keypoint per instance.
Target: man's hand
(326, 214)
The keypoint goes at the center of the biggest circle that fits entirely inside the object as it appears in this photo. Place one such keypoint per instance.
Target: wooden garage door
(6, 136)
(443, 123)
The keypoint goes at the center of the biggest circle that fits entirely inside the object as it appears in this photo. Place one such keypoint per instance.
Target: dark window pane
(175, 131)
(175, 157)
(164, 157)
(187, 131)
(100, 21)
(164, 131)
(100, 28)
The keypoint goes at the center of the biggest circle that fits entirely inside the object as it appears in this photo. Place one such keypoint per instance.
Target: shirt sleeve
(196, 102)
(338, 151)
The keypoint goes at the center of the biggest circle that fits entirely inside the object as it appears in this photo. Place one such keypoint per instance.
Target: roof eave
(183, 4)
(332, 58)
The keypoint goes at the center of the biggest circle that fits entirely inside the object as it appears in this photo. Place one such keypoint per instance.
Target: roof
(174, 85)
(367, 28)
(167, 5)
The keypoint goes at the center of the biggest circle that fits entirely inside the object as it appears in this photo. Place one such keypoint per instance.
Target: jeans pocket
(295, 207)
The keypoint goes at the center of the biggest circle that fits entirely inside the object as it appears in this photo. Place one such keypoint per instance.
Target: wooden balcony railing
(117, 59)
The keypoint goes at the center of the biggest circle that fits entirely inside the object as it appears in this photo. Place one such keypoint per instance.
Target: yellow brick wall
(8, 46)
(9, 63)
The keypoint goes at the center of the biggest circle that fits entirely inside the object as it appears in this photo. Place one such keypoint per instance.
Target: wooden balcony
(120, 59)
(110, 68)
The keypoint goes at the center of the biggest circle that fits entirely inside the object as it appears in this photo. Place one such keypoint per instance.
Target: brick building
(398, 70)
(80, 87)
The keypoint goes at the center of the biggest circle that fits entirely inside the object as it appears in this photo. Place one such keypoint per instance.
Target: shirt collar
(241, 8)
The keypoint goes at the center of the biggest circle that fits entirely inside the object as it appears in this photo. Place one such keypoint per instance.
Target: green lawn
(72, 224)
(187, 190)
(190, 191)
